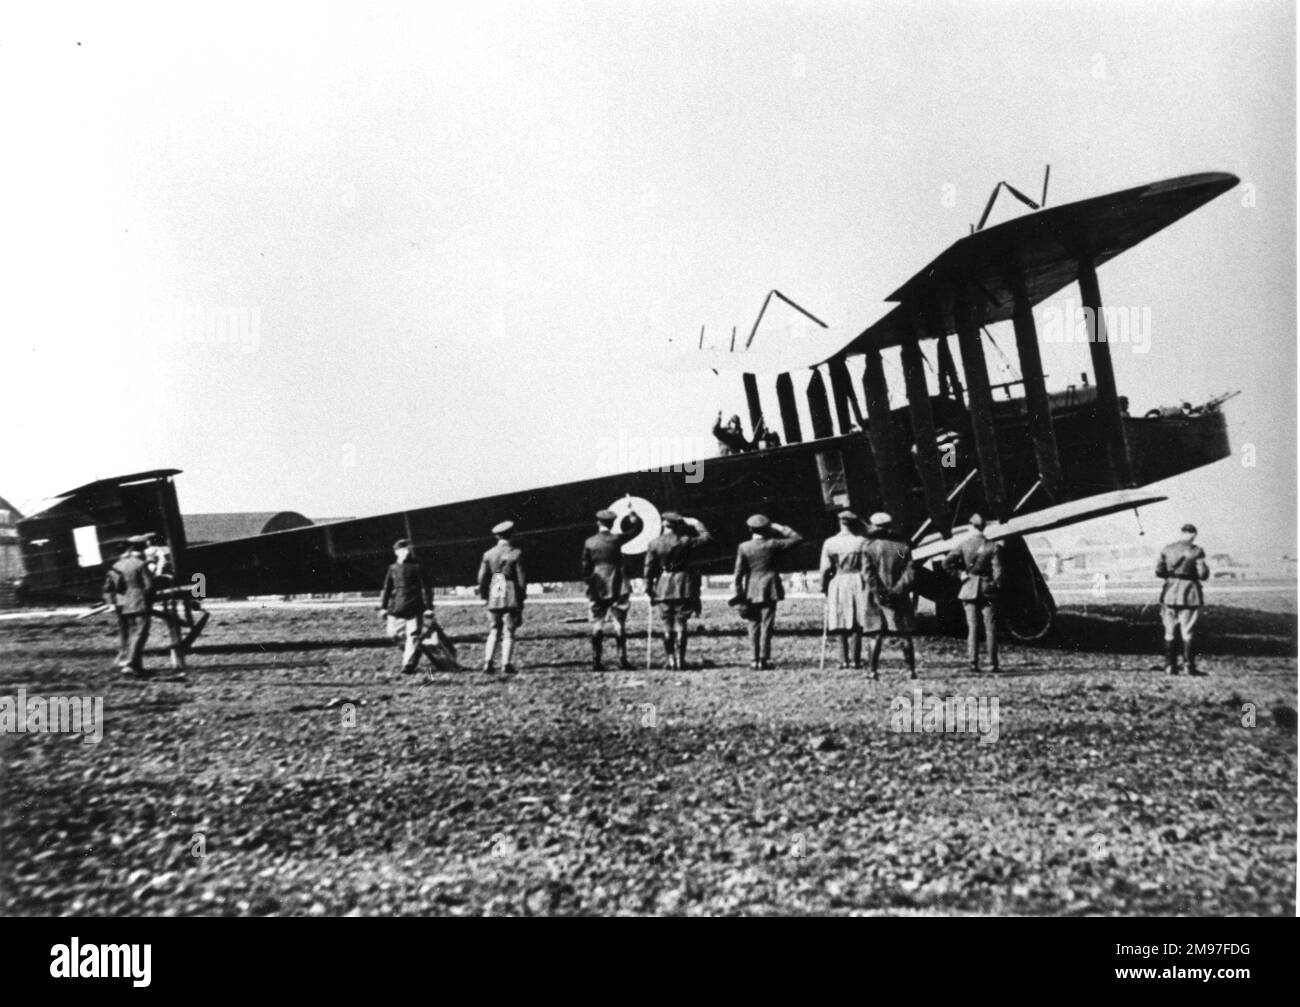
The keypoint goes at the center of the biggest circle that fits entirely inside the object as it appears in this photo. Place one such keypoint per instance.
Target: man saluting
(758, 581)
(608, 588)
(671, 583)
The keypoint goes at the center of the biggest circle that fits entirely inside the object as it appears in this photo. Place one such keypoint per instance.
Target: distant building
(11, 557)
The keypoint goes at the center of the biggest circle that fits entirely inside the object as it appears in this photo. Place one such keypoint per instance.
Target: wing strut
(979, 396)
(883, 438)
(923, 433)
(1112, 420)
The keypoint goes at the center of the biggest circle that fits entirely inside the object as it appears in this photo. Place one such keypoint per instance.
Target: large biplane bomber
(1029, 462)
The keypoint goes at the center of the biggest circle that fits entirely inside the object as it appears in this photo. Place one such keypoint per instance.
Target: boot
(623, 662)
(489, 649)
(1171, 657)
(1189, 659)
(596, 643)
(877, 642)
(681, 652)
(844, 652)
(670, 650)
(909, 654)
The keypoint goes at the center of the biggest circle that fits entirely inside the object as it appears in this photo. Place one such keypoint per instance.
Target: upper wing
(1041, 250)
(1045, 520)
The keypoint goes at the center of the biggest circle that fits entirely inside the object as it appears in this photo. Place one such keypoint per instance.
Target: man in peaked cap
(979, 563)
(503, 587)
(1182, 565)
(609, 590)
(844, 583)
(671, 583)
(758, 581)
(890, 578)
(405, 601)
(128, 588)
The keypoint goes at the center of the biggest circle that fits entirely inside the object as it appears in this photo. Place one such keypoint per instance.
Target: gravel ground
(294, 772)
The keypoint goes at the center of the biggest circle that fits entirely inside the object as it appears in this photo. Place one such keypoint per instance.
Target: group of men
(867, 575)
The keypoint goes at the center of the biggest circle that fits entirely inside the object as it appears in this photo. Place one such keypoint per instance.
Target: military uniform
(405, 598)
(890, 576)
(672, 584)
(609, 590)
(503, 587)
(980, 561)
(758, 583)
(128, 587)
(1183, 567)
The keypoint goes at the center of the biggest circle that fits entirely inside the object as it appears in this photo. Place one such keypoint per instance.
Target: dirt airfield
(293, 771)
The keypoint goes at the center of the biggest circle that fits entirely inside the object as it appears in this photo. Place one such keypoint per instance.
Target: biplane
(1028, 462)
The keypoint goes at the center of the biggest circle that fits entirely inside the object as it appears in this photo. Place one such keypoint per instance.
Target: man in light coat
(844, 582)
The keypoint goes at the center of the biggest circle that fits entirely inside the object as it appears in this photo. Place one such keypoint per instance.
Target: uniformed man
(503, 588)
(671, 583)
(406, 599)
(731, 438)
(1182, 565)
(758, 581)
(844, 583)
(609, 590)
(979, 563)
(889, 580)
(128, 588)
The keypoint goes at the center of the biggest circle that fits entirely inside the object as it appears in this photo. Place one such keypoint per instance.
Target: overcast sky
(470, 242)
